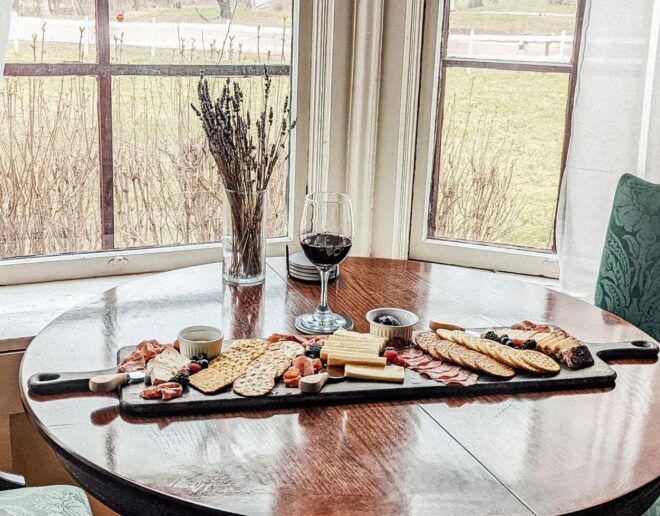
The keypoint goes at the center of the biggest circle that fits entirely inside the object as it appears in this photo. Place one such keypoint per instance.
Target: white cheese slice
(390, 373)
(339, 358)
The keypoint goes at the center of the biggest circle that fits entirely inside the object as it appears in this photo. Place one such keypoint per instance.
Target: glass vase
(244, 236)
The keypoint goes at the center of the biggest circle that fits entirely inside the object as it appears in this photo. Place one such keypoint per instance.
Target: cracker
(485, 346)
(275, 360)
(494, 368)
(291, 348)
(440, 349)
(540, 361)
(253, 385)
(445, 334)
(425, 340)
(210, 381)
(458, 336)
(516, 357)
(501, 354)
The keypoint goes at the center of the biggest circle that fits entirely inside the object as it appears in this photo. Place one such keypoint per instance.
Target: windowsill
(27, 309)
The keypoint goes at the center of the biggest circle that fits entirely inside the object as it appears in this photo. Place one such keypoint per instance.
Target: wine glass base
(308, 325)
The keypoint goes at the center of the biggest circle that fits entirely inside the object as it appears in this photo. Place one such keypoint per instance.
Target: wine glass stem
(323, 309)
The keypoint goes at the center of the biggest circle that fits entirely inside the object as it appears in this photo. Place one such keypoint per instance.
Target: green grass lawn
(528, 112)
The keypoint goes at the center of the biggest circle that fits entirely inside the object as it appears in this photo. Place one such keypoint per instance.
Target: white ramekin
(406, 318)
(194, 340)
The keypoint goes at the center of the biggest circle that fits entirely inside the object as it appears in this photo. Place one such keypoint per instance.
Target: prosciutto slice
(137, 361)
(165, 391)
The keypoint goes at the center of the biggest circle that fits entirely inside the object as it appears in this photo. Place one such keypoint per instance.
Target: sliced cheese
(339, 358)
(326, 350)
(390, 373)
(341, 333)
(353, 345)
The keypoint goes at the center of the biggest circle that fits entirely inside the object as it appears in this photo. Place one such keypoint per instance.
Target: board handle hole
(641, 343)
(47, 377)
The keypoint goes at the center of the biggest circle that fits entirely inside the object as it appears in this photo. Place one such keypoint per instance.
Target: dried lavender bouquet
(246, 150)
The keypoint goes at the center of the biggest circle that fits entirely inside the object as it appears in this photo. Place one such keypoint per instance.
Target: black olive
(388, 320)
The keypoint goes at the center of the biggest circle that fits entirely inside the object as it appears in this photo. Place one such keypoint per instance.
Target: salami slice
(431, 366)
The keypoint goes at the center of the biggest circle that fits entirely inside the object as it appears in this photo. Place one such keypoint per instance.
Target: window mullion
(104, 80)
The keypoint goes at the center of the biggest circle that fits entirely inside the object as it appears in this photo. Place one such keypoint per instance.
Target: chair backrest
(629, 279)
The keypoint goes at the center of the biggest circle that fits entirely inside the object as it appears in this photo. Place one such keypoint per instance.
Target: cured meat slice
(431, 366)
(170, 390)
(411, 353)
(418, 362)
(463, 380)
(150, 393)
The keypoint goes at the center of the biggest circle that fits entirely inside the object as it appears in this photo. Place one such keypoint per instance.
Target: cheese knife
(105, 380)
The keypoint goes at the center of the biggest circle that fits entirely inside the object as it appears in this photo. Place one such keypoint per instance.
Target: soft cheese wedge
(342, 358)
(165, 365)
(390, 373)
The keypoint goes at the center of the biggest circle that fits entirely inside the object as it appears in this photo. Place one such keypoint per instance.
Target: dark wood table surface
(543, 453)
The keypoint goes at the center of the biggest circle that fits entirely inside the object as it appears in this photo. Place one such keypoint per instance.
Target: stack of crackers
(484, 355)
(251, 365)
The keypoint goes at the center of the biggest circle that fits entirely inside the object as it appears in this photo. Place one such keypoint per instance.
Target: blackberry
(182, 379)
(313, 351)
(491, 335)
(529, 344)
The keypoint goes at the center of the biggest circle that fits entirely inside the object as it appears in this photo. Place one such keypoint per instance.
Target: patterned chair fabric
(629, 280)
(45, 501)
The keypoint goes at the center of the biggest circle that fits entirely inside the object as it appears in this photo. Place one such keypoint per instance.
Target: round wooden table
(543, 453)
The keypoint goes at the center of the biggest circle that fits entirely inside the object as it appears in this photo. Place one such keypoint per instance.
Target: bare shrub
(166, 188)
(475, 198)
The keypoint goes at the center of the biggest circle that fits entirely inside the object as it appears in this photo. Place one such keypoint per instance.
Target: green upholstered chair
(629, 280)
(17, 500)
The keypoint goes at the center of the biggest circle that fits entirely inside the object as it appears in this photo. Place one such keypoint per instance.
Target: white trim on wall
(363, 119)
(405, 166)
(323, 13)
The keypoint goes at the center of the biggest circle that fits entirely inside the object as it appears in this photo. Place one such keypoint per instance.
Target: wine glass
(326, 236)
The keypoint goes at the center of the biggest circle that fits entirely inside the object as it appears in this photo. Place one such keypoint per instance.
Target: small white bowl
(194, 340)
(406, 318)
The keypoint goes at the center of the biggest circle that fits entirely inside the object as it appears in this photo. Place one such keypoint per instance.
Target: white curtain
(616, 130)
(5, 15)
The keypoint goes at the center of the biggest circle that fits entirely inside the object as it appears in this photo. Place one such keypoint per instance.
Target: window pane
(502, 140)
(167, 190)
(49, 168)
(198, 31)
(527, 30)
(51, 31)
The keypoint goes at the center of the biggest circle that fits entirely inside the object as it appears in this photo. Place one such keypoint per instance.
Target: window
(504, 81)
(100, 149)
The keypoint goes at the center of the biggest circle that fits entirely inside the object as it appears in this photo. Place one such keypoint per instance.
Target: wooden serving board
(599, 375)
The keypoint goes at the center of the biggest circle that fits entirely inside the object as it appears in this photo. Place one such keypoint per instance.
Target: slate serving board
(415, 386)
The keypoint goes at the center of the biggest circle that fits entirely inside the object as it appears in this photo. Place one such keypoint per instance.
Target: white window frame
(422, 246)
(33, 269)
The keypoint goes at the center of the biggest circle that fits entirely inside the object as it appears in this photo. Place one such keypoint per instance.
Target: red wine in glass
(325, 249)
(326, 236)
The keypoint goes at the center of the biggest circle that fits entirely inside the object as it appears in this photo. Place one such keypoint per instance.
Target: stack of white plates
(301, 268)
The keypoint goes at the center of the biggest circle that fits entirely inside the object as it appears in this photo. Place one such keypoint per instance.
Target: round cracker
(439, 350)
(253, 385)
(291, 348)
(456, 354)
(444, 334)
(425, 340)
(516, 357)
(494, 368)
(501, 354)
(540, 361)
